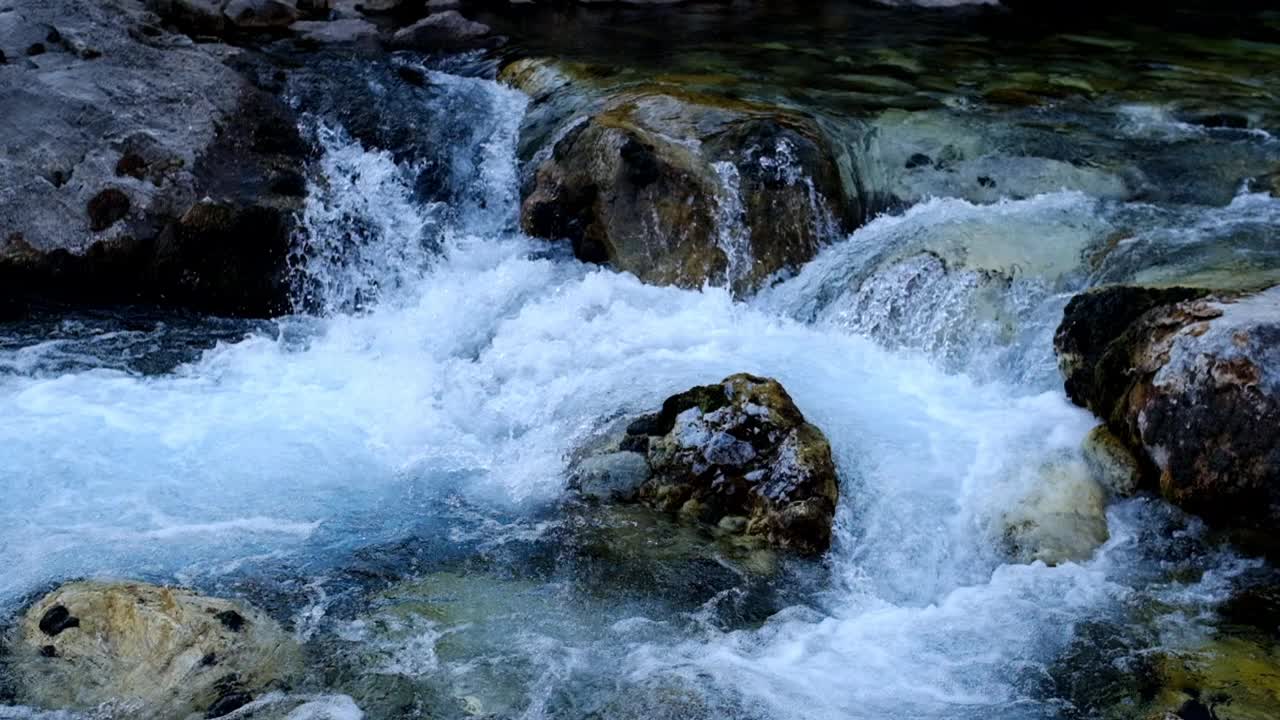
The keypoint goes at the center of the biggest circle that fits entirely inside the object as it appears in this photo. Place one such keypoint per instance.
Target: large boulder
(1191, 383)
(738, 455)
(113, 137)
(146, 651)
(676, 187)
(212, 18)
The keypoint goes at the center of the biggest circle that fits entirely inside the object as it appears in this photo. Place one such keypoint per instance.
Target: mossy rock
(740, 455)
(677, 186)
(1231, 678)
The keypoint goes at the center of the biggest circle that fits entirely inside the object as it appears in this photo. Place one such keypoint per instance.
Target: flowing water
(385, 472)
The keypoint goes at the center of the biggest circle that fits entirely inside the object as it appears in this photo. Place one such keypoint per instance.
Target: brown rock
(106, 208)
(1192, 385)
(680, 188)
(741, 456)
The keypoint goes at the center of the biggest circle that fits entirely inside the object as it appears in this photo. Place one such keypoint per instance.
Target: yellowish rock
(145, 651)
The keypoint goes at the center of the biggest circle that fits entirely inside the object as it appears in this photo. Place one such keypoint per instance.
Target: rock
(348, 30)
(376, 7)
(106, 208)
(738, 455)
(1062, 519)
(261, 14)
(1186, 381)
(622, 552)
(147, 651)
(675, 187)
(1227, 678)
(1111, 463)
(447, 30)
(1254, 607)
(613, 476)
(194, 17)
(107, 156)
(1091, 322)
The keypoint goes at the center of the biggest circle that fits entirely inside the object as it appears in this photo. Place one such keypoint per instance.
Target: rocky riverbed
(400, 359)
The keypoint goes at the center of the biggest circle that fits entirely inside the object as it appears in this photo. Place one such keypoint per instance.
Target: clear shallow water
(418, 427)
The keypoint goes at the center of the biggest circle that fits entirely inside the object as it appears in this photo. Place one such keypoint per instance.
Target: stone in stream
(676, 187)
(738, 455)
(1191, 384)
(446, 30)
(1112, 464)
(147, 651)
(1062, 519)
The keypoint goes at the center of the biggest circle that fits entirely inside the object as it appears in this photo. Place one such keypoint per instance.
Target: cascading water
(424, 418)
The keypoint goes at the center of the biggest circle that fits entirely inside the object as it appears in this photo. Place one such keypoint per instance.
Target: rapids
(417, 422)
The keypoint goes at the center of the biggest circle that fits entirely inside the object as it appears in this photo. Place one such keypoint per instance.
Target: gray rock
(348, 30)
(103, 156)
(261, 14)
(737, 455)
(147, 651)
(194, 17)
(447, 30)
(375, 7)
(612, 476)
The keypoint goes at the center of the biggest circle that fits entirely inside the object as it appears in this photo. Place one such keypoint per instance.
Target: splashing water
(458, 363)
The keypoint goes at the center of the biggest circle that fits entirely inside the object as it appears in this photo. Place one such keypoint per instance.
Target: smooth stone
(1111, 463)
(160, 652)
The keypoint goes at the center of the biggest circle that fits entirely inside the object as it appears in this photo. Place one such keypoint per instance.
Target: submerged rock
(1228, 678)
(738, 455)
(147, 651)
(676, 187)
(1062, 519)
(1112, 464)
(1190, 384)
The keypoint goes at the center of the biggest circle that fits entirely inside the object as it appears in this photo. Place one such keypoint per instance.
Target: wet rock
(147, 651)
(348, 30)
(738, 455)
(624, 552)
(676, 187)
(108, 156)
(376, 7)
(195, 17)
(1091, 322)
(261, 14)
(1186, 381)
(1062, 519)
(1103, 673)
(1226, 678)
(612, 476)
(447, 30)
(1111, 463)
(1254, 608)
(106, 208)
